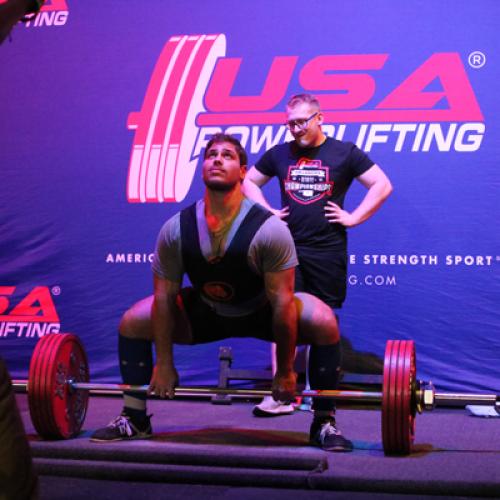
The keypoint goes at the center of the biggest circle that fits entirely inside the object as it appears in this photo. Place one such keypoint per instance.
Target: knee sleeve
(324, 371)
(136, 362)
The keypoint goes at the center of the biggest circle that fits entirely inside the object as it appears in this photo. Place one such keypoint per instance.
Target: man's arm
(379, 188)
(252, 184)
(163, 315)
(279, 290)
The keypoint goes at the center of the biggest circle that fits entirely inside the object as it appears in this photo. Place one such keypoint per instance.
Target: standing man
(241, 261)
(314, 173)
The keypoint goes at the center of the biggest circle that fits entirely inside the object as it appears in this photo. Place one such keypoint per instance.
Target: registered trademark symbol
(477, 59)
(56, 290)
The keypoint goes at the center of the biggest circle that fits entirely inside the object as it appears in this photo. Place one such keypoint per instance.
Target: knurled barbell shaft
(201, 391)
(370, 396)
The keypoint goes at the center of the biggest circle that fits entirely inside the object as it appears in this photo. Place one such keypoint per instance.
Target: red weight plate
(33, 392)
(401, 402)
(387, 397)
(398, 409)
(408, 381)
(47, 387)
(69, 406)
(36, 383)
(398, 401)
(51, 353)
(57, 410)
(76, 400)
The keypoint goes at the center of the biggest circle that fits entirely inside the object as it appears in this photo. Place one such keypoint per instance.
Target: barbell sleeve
(459, 399)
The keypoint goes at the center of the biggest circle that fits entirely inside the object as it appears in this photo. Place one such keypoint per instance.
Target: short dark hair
(300, 98)
(221, 137)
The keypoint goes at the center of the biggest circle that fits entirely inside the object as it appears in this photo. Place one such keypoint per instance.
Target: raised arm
(279, 289)
(379, 188)
(252, 184)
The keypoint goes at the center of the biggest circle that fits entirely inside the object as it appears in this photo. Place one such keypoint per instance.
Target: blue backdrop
(106, 105)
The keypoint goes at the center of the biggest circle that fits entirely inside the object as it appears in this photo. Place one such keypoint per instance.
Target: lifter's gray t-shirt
(271, 250)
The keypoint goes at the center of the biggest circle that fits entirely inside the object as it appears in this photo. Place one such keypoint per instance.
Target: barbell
(58, 387)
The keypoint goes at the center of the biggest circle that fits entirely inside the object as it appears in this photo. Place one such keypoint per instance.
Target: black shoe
(123, 427)
(325, 434)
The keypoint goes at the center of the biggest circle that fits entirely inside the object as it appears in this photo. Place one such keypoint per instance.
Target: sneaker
(325, 434)
(272, 408)
(122, 428)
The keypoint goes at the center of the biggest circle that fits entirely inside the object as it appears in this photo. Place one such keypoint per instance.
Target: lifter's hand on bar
(284, 386)
(164, 381)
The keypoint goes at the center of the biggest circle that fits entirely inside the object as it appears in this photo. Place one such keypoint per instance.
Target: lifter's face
(311, 135)
(221, 167)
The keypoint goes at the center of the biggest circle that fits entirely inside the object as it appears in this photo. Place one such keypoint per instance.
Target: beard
(218, 185)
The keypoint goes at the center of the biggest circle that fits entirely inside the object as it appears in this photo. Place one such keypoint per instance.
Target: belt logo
(218, 291)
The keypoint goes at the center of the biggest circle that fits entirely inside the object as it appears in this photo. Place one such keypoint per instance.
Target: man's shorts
(322, 272)
(207, 326)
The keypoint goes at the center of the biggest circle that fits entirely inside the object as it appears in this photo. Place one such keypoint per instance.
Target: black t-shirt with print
(309, 177)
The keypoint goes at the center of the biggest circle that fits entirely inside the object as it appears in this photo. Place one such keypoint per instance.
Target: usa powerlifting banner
(106, 108)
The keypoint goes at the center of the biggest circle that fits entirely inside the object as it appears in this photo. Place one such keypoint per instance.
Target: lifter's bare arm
(163, 316)
(279, 289)
(252, 184)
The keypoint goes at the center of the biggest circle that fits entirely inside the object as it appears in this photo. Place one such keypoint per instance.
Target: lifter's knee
(136, 321)
(326, 330)
(317, 323)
